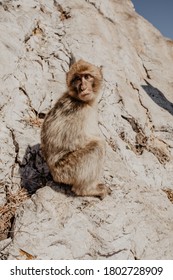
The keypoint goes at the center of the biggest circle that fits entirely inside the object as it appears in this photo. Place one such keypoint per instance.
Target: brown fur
(70, 139)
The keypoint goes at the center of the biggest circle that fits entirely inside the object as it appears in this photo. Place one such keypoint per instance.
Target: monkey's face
(84, 81)
(82, 86)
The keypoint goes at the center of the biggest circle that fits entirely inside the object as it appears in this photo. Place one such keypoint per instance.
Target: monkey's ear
(72, 60)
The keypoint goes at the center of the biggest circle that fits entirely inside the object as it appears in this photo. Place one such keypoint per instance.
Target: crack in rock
(16, 145)
(152, 144)
(146, 71)
(99, 11)
(141, 103)
(110, 254)
(37, 30)
(169, 193)
(64, 14)
(145, 68)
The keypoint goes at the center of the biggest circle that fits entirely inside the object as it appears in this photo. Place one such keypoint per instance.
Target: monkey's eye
(87, 76)
(76, 79)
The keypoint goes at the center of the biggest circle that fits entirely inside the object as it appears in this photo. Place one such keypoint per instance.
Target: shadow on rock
(35, 174)
(34, 171)
(158, 97)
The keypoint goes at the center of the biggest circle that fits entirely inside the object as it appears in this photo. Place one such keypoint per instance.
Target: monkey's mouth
(84, 93)
(85, 96)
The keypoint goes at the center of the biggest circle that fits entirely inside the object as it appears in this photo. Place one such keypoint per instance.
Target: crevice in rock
(134, 255)
(16, 149)
(152, 144)
(64, 14)
(120, 101)
(145, 68)
(150, 123)
(135, 126)
(38, 116)
(99, 11)
(169, 194)
(140, 138)
(11, 224)
(37, 30)
(29, 100)
(162, 155)
(110, 254)
(111, 142)
(16, 145)
(147, 72)
(66, 50)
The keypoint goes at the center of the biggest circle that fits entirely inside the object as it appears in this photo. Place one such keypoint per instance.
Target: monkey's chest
(90, 125)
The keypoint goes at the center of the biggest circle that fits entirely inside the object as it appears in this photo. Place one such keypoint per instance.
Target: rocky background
(41, 220)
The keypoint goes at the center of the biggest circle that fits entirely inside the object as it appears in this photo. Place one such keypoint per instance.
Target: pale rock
(38, 41)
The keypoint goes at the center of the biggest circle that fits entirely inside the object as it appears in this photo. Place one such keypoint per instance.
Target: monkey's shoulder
(69, 115)
(66, 106)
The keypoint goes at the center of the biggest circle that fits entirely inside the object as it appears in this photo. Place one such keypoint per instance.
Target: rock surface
(38, 40)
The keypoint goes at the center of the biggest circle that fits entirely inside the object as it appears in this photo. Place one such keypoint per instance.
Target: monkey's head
(84, 81)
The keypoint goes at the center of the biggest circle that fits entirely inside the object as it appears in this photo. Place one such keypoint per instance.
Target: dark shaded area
(35, 174)
(33, 170)
(158, 97)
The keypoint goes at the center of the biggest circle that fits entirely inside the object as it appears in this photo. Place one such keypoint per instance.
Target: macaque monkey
(70, 139)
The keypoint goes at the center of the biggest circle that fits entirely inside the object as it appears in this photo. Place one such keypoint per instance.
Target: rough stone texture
(38, 40)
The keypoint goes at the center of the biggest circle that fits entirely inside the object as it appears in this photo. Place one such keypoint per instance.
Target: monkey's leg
(82, 169)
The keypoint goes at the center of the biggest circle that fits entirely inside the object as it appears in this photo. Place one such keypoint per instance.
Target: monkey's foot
(103, 190)
(99, 190)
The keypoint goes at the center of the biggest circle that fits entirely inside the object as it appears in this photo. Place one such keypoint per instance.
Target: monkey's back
(67, 128)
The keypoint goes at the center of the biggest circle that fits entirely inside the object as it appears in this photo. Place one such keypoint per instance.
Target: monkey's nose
(83, 85)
